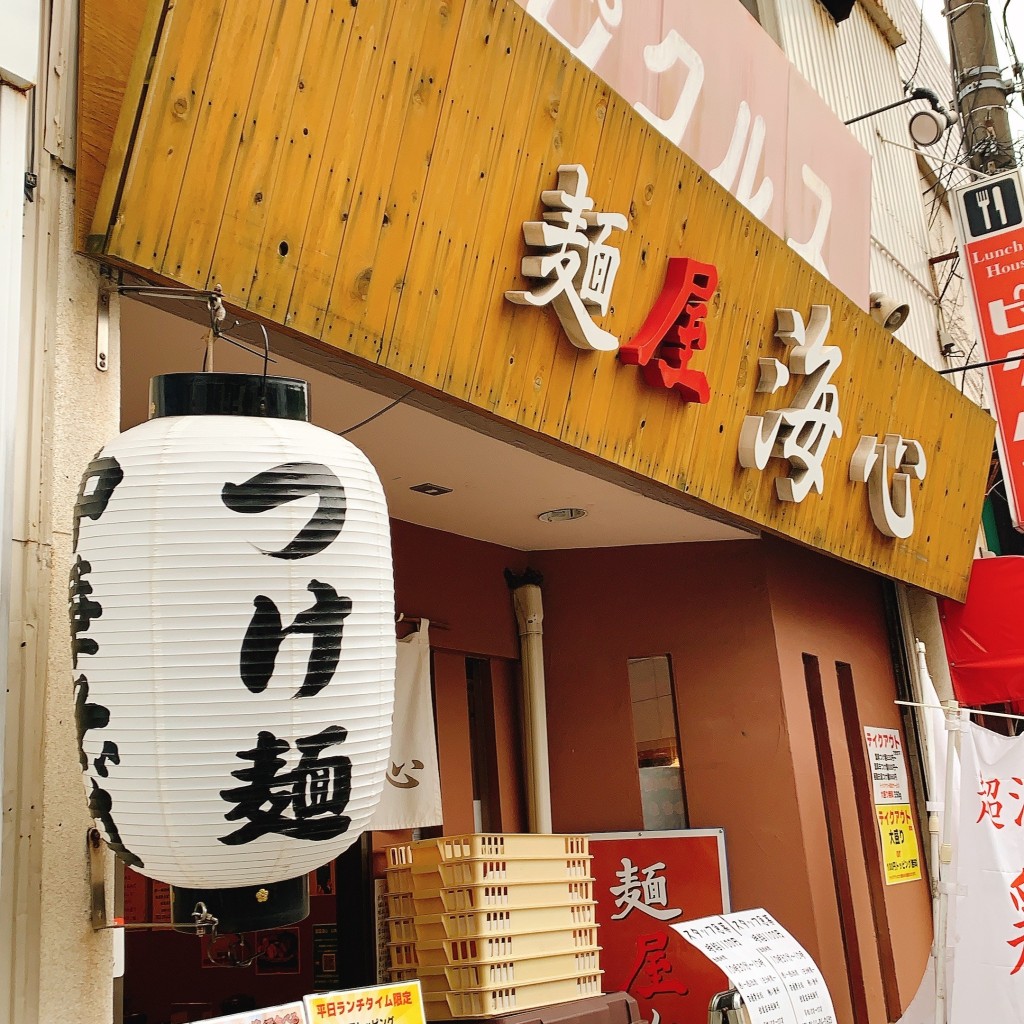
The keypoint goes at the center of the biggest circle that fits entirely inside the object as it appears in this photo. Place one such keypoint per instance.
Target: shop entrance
(465, 507)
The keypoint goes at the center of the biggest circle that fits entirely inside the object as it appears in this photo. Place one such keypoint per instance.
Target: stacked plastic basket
(491, 924)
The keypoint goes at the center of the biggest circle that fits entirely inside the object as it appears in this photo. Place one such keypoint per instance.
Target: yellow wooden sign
(901, 857)
(360, 175)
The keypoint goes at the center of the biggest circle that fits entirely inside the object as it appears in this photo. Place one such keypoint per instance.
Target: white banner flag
(989, 950)
(412, 789)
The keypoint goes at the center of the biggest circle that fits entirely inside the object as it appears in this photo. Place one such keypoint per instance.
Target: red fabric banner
(984, 637)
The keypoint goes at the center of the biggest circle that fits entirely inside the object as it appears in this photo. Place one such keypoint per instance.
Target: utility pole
(980, 89)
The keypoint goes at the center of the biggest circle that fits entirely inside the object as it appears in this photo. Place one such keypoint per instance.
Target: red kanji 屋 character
(674, 330)
(651, 972)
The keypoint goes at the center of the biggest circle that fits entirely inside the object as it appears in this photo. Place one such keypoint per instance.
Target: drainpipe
(529, 607)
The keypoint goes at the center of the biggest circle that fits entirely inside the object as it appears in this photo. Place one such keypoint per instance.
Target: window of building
(764, 11)
(656, 730)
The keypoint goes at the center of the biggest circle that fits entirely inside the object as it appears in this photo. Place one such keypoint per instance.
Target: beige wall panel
(361, 179)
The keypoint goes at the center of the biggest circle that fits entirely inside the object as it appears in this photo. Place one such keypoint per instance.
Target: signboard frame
(967, 243)
(658, 964)
(693, 833)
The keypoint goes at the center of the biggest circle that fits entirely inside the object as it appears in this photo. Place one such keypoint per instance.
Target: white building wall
(19, 63)
(854, 67)
(57, 410)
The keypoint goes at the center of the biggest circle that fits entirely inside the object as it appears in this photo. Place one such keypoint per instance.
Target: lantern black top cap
(228, 394)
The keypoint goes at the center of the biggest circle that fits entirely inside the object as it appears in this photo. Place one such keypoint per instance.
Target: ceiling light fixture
(434, 490)
(562, 515)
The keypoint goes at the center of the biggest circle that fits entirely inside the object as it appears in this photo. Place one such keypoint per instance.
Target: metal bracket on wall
(202, 923)
(103, 329)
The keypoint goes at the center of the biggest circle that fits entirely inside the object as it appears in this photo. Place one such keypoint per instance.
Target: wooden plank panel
(613, 177)
(447, 121)
(540, 362)
(369, 214)
(316, 105)
(515, 385)
(456, 190)
(437, 32)
(247, 31)
(327, 205)
(175, 96)
(109, 34)
(258, 199)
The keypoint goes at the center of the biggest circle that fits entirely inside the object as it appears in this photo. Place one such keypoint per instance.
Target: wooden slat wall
(108, 35)
(359, 175)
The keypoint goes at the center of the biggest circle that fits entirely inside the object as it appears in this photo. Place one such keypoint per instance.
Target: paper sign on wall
(383, 1004)
(774, 974)
(887, 764)
(900, 854)
(901, 858)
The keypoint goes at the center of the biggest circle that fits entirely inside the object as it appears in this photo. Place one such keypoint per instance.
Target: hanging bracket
(103, 329)
(202, 923)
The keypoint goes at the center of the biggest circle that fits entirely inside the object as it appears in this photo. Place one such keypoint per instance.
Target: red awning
(985, 635)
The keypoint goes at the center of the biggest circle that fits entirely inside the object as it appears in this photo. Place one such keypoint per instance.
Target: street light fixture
(926, 126)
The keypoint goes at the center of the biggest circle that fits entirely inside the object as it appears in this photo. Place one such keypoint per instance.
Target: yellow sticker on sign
(383, 1004)
(900, 854)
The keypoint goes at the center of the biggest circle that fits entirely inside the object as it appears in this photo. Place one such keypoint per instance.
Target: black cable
(920, 40)
(379, 412)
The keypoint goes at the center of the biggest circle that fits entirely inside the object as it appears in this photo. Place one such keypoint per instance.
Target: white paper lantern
(232, 606)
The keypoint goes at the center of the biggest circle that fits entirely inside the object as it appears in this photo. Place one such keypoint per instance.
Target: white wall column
(59, 409)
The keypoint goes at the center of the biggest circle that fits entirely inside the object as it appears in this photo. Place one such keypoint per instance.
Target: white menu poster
(773, 973)
(799, 973)
(888, 765)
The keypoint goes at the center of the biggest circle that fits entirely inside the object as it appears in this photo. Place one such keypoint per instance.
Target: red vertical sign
(644, 883)
(991, 222)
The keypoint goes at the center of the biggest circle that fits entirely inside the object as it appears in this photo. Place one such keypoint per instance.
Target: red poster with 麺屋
(645, 882)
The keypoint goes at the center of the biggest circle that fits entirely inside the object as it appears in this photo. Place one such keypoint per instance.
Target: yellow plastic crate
(490, 1002)
(479, 871)
(433, 980)
(490, 845)
(525, 969)
(402, 954)
(510, 972)
(447, 900)
(405, 854)
(399, 856)
(426, 877)
(472, 923)
(403, 973)
(400, 879)
(402, 929)
(494, 948)
(400, 904)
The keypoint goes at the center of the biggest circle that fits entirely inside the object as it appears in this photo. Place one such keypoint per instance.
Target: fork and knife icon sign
(991, 197)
